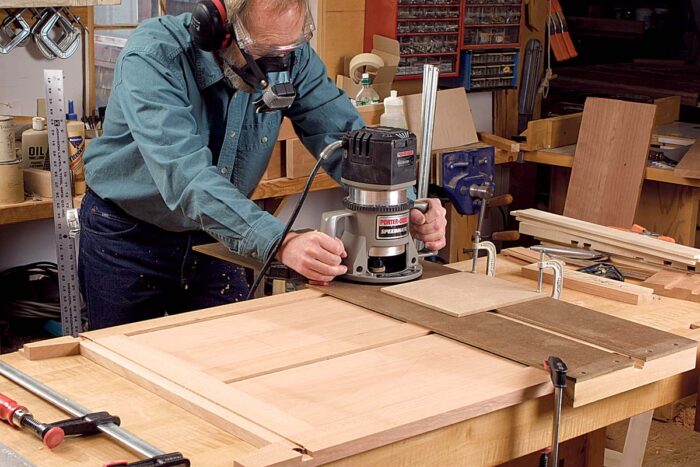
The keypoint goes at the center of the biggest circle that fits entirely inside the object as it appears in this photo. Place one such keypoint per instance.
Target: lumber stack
(561, 230)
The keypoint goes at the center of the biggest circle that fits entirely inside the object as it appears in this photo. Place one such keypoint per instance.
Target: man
(183, 148)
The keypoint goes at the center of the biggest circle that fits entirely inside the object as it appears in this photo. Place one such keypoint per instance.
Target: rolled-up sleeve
(322, 113)
(160, 118)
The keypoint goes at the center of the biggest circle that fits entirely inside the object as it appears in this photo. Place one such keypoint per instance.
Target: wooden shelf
(563, 159)
(30, 210)
(47, 3)
(278, 187)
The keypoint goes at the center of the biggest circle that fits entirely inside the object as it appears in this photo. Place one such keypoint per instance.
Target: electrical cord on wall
(327, 151)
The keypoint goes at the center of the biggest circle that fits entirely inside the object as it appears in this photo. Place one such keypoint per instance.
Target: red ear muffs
(210, 29)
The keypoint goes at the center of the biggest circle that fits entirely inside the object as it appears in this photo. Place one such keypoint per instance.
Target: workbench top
(284, 350)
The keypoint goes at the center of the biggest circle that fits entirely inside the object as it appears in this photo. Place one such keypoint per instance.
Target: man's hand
(430, 227)
(314, 255)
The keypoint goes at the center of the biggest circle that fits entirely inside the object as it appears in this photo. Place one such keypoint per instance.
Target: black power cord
(271, 257)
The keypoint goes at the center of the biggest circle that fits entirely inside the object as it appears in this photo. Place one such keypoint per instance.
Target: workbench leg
(635, 442)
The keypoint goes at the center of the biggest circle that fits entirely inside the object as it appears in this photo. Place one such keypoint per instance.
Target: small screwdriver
(18, 416)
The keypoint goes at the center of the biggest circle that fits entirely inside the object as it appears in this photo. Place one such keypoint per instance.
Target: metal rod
(558, 396)
(125, 438)
(428, 105)
(430, 85)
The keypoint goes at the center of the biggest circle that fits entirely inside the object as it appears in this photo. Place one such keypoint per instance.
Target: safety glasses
(249, 44)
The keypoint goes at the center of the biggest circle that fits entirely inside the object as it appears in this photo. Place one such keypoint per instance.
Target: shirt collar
(207, 70)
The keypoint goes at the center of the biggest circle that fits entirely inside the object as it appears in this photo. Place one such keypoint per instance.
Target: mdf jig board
(307, 372)
(611, 155)
(463, 293)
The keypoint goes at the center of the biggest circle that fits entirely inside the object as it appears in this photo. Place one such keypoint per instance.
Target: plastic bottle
(393, 115)
(367, 94)
(35, 144)
(76, 149)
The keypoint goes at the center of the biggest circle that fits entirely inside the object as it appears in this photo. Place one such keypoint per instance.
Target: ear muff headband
(210, 29)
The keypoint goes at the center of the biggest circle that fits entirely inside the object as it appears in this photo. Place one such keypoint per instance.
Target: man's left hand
(430, 227)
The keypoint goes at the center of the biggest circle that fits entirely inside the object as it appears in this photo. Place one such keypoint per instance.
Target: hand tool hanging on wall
(14, 31)
(558, 13)
(529, 83)
(91, 423)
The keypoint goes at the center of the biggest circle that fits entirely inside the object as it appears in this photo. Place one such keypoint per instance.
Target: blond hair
(241, 8)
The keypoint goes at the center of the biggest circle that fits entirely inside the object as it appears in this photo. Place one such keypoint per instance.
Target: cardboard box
(371, 114)
(275, 168)
(390, 51)
(454, 125)
(38, 182)
(299, 162)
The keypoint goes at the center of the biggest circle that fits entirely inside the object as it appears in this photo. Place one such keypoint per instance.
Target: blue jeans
(131, 270)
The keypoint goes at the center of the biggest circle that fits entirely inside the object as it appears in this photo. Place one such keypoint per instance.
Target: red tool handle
(8, 407)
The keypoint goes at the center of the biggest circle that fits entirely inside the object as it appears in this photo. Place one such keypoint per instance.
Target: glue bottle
(367, 94)
(393, 115)
(76, 149)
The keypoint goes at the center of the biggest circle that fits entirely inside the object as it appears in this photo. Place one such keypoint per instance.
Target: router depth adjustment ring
(351, 205)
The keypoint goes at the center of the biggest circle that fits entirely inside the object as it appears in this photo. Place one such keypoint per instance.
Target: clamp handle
(557, 371)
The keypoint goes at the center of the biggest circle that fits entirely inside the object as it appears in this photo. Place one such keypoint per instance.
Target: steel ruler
(64, 215)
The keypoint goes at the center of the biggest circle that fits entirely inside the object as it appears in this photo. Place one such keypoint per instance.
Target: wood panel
(611, 154)
(689, 166)
(462, 294)
(393, 392)
(668, 110)
(277, 338)
(332, 402)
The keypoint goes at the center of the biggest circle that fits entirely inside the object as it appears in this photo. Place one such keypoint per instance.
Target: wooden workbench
(495, 435)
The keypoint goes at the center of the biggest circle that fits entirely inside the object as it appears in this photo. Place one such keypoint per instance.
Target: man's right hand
(314, 255)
